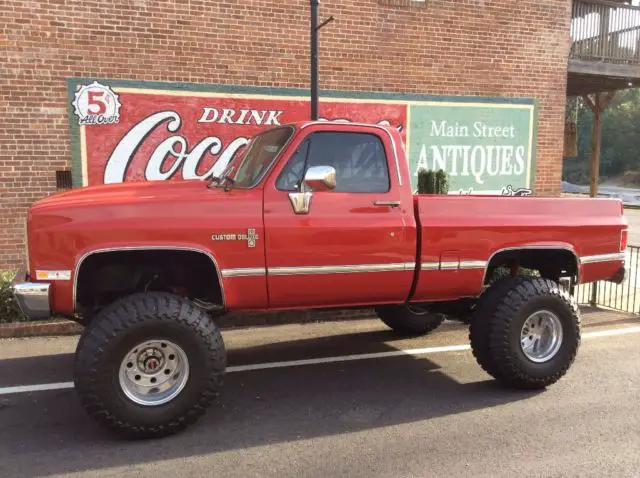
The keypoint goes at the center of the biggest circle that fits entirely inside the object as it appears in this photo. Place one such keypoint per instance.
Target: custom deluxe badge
(96, 104)
(251, 237)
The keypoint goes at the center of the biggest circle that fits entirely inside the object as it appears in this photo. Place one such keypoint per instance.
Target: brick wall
(466, 47)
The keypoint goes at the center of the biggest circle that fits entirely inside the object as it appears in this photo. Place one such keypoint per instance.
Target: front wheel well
(104, 277)
(548, 263)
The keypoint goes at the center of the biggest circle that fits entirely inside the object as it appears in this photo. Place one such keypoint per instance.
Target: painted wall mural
(127, 131)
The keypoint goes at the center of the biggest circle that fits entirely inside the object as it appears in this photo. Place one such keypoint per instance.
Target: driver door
(356, 243)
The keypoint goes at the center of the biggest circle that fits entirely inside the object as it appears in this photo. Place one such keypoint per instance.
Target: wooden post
(598, 105)
(596, 140)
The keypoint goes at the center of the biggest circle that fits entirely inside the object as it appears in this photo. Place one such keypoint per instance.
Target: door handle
(387, 203)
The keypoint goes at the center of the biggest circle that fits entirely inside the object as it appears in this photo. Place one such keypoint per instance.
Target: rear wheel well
(104, 277)
(548, 263)
(553, 264)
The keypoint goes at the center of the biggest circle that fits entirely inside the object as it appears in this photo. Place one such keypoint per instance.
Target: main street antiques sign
(131, 131)
(484, 148)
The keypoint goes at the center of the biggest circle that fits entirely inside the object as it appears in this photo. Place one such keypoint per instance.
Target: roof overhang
(588, 77)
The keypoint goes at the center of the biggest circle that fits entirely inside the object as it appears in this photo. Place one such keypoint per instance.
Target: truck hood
(180, 213)
(113, 194)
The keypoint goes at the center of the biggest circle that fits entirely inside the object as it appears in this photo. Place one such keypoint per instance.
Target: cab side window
(289, 179)
(358, 158)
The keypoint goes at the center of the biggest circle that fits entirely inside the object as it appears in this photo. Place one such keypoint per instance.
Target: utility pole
(314, 55)
(314, 59)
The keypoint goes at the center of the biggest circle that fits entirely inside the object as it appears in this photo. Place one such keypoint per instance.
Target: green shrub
(432, 182)
(9, 310)
(426, 182)
(442, 182)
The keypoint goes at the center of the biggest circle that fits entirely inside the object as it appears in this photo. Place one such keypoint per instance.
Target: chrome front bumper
(33, 297)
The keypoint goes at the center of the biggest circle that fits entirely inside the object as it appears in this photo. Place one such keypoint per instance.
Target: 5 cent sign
(96, 104)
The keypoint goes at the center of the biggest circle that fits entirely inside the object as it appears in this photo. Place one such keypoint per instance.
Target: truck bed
(458, 236)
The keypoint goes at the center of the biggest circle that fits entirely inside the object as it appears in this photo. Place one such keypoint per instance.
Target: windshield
(260, 154)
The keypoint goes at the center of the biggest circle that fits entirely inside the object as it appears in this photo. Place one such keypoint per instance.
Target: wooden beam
(601, 68)
(580, 84)
(574, 89)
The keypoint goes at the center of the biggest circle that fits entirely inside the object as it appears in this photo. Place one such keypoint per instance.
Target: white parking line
(611, 332)
(323, 360)
(36, 388)
(346, 358)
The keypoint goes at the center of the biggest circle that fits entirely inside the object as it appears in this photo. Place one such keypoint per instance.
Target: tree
(620, 153)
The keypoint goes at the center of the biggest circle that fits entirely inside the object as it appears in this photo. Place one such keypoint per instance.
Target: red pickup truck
(310, 215)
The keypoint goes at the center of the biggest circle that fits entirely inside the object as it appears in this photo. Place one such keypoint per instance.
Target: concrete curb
(39, 329)
(57, 327)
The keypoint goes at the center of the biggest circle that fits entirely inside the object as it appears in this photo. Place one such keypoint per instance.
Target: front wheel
(526, 332)
(149, 365)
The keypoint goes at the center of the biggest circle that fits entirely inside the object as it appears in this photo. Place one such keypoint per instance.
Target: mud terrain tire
(496, 331)
(480, 324)
(118, 329)
(405, 322)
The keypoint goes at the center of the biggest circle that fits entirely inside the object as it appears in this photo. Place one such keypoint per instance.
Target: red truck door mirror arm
(317, 178)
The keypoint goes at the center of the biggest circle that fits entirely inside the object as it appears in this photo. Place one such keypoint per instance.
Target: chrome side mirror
(317, 178)
(320, 178)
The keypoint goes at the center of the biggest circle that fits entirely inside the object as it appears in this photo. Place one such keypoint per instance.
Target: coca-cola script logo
(174, 151)
(96, 104)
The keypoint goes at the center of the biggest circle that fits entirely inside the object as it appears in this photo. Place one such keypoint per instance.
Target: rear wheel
(480, 325)
(526, 332)
(410, 322)
(149, 365)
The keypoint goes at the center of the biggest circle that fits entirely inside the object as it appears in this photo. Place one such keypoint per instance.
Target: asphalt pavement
(431, 412)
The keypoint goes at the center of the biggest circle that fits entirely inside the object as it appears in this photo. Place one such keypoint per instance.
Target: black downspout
(314, 59)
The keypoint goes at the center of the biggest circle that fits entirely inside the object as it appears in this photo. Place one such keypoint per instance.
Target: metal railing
(623, 297)
(605, 31)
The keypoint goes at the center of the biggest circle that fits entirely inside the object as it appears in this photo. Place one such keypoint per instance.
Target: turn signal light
(624, 240)
(53, 275)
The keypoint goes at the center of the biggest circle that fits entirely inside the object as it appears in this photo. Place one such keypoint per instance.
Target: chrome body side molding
(341, 269)
(616, 256)
(453, 265)
(244, 272)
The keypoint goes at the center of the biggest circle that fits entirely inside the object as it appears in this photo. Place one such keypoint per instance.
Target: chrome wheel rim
(154, 372)
(541, 336)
